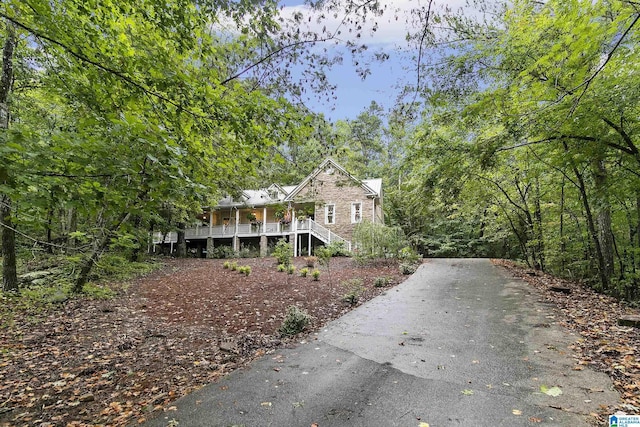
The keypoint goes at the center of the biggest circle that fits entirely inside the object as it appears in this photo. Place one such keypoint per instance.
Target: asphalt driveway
(459, 343)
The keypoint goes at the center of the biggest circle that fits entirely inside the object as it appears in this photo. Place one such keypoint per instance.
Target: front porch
(301, 233)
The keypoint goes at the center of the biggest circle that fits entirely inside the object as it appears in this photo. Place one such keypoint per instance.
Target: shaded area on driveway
(459, 343)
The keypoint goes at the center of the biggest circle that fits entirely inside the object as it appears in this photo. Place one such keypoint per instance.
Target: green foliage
(338, 248)
(381, 282)
(375, 240)
(315, 274)
(354, 290)
(283, 251)
(304, 271)
(233, 266)
(295, 321)
(115, 267)
(291, 269)
(282, 268)
(248, 252)
(226, 265)
(95, 291)
(244, 269)
(408, 268)
(222, 252)
(409, 255)
(324, 254)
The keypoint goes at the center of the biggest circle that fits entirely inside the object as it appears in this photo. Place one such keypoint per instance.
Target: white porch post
(294, 228)
(264, 220)
(235, 231)
(309, 237)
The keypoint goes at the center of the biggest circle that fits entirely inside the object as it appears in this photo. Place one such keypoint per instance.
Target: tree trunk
(603, 278)
(72, 227)
(537, 226)
(563, 245)
(603, 217)
(88, 264)
(182, 242)
(9, 274)
(137, 251)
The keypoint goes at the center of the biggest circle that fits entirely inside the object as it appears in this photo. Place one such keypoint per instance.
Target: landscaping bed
(114, 361)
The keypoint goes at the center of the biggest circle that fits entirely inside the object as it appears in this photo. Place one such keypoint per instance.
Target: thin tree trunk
(137, 251)
(603, 217)
(83, 276)
(9, 273)
(563, 245)
(603, 278)
(537, 226)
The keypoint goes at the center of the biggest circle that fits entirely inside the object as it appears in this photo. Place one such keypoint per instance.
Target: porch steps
(327, 236)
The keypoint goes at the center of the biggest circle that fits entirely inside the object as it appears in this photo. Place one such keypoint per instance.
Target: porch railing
(248, 230)
(326, 235)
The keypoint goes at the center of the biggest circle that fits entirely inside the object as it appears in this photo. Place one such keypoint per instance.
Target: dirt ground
(113, 362)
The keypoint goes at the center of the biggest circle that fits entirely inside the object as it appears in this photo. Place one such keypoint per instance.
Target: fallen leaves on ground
(603, 344)
(91, 362)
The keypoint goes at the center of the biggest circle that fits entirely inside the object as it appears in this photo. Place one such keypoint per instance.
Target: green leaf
(553, 391)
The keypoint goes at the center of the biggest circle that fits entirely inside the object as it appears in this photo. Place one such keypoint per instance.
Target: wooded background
(517, 139)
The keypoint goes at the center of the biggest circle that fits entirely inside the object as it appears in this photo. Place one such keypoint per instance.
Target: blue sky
(354, 94)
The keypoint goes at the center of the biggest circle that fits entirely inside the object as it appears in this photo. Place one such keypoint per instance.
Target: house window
(329, 214)
(356, 212)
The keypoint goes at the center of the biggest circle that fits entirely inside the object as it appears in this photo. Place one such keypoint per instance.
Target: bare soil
(113, 362)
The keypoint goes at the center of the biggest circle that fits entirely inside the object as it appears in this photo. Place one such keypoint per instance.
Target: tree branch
(588, 82)
(83, 58)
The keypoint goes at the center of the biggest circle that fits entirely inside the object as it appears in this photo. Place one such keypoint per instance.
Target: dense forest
(518, 137)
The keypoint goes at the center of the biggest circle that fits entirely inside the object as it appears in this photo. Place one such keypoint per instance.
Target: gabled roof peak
(326, 164)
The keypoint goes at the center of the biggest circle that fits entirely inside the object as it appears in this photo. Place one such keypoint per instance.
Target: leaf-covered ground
(113, 362)
(603, 345)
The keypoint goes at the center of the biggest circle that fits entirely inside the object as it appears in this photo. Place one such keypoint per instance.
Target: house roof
(261, 197)
(330, 162)
(374, 184)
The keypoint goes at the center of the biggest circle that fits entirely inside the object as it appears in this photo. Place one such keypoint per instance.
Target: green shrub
(291, 269)
(226, 265)
(409, 256)
(233, 266)
(245, 269)
(338, 249)
(354, 289)
(304, 272)
(315, 274)
(295, 321)
(222, 252)
(248, 252)
(282, 268)
(407, 268)
(283, 251)
(381, 282)
(375, 241)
